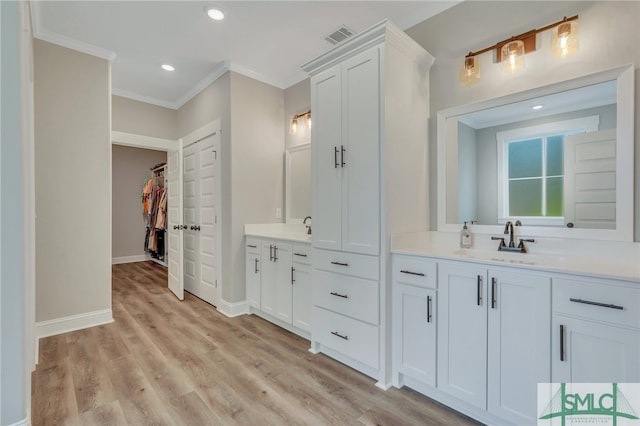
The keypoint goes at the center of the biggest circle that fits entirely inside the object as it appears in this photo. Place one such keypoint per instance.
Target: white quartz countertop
(293, 232)
(624, 267)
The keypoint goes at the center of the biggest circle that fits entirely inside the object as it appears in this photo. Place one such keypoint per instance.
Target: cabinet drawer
(597, 301)
(415, 271)
(302, 253)
(358, 265)
(252, 245)
(353, 338)
(352, 296)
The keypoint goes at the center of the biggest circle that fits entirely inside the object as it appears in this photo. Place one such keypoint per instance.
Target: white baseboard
(23, 422)
(130, 259)
(232, 309)
(73, 323)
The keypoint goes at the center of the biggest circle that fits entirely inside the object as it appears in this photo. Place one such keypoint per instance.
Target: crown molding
(218, 71)
(142, 98)
(64, 41)
(255, 75)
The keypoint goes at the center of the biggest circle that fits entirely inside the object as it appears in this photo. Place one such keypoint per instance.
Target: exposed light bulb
(513, 56)
(470, 71)
(293, 128)
(564, 40)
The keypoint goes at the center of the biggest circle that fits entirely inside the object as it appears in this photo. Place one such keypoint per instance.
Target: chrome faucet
(308, 226)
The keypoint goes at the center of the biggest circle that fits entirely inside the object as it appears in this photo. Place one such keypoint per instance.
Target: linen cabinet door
(462, 332)
(360, 153)
(326, 134)
(519, 336)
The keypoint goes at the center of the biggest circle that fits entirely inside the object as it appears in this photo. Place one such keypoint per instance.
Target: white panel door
(462, 332)
(519, 343)
(327, 168)
(201, 172)
(190, 217)
(174, 224)
(208, 172)
(361, 156)
(590, 180)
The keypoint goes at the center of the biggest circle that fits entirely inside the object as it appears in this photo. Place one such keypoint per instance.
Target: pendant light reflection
(470, 71)
(564, 39)
(513, 56)
(293, 125)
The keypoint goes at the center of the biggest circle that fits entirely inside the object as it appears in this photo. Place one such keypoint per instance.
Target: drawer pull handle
(251, 245)
(344, 296)
(300, 254)
(604, 305)
(562, 342)
(340, 263)
(420, 274)
(335, 333)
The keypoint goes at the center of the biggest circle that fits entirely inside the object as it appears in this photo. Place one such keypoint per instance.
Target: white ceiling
(266, 40)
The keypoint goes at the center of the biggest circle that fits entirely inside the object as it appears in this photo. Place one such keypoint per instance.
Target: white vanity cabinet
(493, 337)
(415, 320)
(596, 331)
(276, 279)
(252, 271)
(301, 287)
(369, 97)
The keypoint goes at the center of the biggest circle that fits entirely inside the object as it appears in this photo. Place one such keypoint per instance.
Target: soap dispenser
(465, 237)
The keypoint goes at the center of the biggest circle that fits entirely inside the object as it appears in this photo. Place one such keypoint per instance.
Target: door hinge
(216, 283)
(215, 154)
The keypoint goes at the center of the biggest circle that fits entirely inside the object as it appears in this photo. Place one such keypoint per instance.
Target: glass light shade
(293, 127)
(564, 39)
(513, 56)
(309, 121)
(470, 71)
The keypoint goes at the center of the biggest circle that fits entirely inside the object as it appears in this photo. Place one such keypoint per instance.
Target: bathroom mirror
(298, 183)
(563, 168)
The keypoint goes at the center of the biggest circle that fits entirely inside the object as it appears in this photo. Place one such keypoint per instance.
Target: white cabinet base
(295, 330)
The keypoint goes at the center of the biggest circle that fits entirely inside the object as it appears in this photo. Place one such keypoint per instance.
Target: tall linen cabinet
(370, 107)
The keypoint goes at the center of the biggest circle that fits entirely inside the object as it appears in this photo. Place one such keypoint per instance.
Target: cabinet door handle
(292, 271)
(344, 296)
(562, 340)
(340, 263)
(342, 150)
(604, 305)
(335, 333)
(420, 274)
(256, 266)
(300, 254)
(479, 286)
(271, 252)
(275, 253)
(493, 293)
(251, 245)
(335, 157)
(429, 308)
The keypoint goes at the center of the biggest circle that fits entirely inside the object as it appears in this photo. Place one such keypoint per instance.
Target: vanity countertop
(625, 267)
(293, 232)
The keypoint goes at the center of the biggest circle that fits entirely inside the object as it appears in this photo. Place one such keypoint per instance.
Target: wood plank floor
(166, 362)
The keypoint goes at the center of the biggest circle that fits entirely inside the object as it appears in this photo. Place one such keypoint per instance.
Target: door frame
(205, 131)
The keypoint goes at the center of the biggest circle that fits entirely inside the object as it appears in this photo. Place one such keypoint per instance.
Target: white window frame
(578, 125)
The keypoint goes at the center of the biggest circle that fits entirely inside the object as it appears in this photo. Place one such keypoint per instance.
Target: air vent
(341, 34)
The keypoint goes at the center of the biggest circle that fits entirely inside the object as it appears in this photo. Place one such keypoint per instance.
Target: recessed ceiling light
(215, 14)
(537, 107)
(168, 67)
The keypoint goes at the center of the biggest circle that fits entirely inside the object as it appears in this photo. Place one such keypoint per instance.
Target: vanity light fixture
(293, 126)
(510, 52)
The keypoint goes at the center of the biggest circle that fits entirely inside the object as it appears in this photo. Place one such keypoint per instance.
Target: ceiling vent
(339, 35)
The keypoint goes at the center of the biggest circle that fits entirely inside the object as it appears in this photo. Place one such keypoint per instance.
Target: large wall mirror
(558, 158)
(298, 183)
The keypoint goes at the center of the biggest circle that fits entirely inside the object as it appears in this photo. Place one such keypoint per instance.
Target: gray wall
(609, 37)
(140, 118)
(297, 99)
(12, 362)
(130, 169)
(73, 189)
